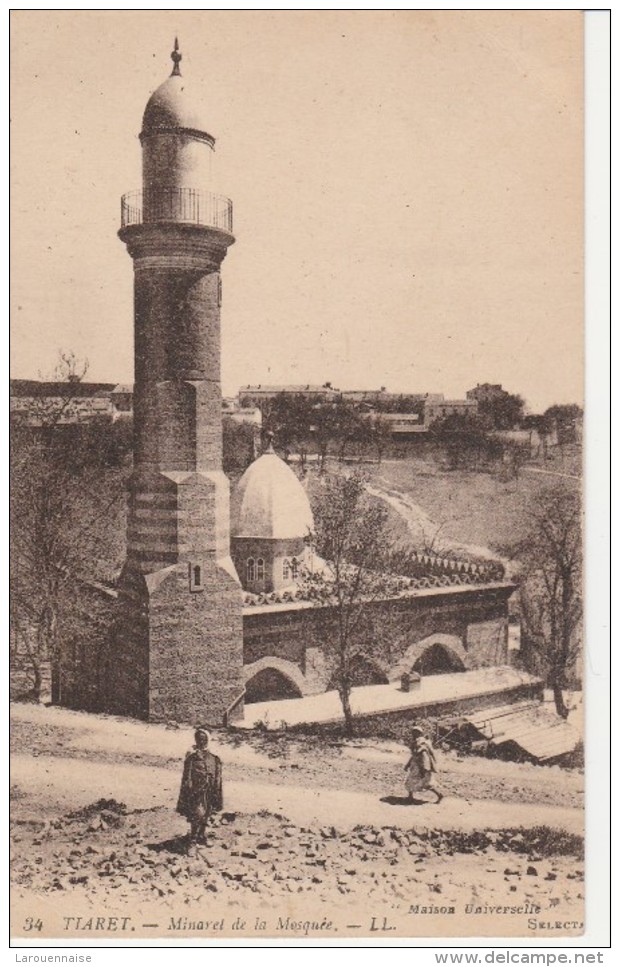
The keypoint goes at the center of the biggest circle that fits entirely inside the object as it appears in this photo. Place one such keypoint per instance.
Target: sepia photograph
(296, 446)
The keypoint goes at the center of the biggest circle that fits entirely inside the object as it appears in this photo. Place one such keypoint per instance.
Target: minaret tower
(179, 640)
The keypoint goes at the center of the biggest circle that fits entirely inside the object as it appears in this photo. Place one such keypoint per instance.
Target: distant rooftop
(264, 388)
(41, 388)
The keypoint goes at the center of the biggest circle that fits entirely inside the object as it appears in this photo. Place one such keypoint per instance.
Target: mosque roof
(270, 501)
(173, 105)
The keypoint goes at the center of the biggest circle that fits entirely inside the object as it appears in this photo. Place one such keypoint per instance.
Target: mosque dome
(172, 105)
(270, 502)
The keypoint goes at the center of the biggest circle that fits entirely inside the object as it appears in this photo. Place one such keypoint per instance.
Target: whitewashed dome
(270, 502)
(173, 105)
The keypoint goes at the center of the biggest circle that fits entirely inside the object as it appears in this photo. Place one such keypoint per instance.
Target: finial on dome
(176, 57)
(269, 438)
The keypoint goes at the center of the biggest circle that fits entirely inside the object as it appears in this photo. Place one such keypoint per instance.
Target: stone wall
(158, 651)
(191, 670)
(398, 724)
(470, 623)
(178, 654)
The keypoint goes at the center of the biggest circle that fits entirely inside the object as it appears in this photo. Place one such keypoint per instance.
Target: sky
(407, 190)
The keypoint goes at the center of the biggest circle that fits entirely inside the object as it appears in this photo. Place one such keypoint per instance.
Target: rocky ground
(306, 827)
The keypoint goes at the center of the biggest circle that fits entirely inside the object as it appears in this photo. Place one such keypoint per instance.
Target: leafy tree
(503, 412)
(550, 564)
(348, 426)
(324, 430)
(350, 537)
(465, 439)
(515, 456)
(290, 420)
(333, 425)
(240, 445)
(380, 434)
(564, 417)
(265, 404)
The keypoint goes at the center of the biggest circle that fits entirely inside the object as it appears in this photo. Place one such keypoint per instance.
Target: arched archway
(438, 654)
(363, 671)
(270, 685)
(438, 660)
(273, 679)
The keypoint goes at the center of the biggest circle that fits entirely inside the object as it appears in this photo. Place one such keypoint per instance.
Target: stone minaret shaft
(179, 637)
(177, 395)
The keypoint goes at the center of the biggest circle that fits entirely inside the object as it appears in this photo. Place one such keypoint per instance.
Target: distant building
(487, 393)
(65, 403)
(365, 395)
(404, 425)
(37, 402)
(241, 414)
(384, 397)
(122, 400)
(436, 410)
(261, 392)
(426, 397)
(432, 406)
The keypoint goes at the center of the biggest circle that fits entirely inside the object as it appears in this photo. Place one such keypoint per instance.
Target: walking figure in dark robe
(201, 787)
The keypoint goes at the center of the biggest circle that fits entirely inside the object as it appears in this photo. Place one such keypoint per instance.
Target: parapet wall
(469, 622)
(398, 724)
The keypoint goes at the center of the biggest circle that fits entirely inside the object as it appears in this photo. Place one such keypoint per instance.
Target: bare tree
(550, 559)
(65, 497)
(350, 538)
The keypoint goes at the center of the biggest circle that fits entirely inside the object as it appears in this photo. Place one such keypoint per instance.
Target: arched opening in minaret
(269, 685)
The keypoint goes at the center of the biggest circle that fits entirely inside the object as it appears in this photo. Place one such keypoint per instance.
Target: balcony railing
(184, 205)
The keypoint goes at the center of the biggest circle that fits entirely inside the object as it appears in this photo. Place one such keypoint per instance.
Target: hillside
(478, 513)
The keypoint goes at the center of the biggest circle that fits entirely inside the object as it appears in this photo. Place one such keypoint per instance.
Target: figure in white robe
(421, 768)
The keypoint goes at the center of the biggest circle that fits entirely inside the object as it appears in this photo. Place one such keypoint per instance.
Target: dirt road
(57, 784)
(310, 829)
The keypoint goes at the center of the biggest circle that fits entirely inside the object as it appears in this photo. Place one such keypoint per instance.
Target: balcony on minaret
(186, 206)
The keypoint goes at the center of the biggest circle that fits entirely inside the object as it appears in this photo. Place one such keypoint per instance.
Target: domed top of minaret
(270, 502)
(172, 106)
